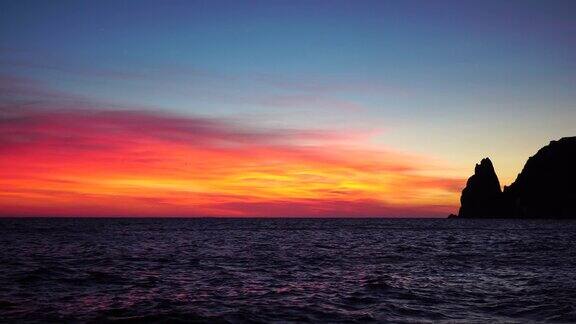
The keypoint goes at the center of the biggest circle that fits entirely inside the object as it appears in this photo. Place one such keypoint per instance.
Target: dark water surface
(295, 270)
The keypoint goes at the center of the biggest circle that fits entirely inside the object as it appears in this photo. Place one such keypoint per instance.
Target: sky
(274, 108)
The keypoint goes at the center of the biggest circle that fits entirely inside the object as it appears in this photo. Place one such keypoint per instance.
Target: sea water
(287, 270)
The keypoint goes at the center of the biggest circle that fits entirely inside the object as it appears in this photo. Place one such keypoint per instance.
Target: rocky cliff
(546, 187)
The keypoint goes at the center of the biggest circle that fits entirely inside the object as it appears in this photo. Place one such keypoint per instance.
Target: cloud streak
(304, 92)
(59, 162)
(101, 162)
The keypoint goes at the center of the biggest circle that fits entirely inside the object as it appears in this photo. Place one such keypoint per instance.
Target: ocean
(78, 270)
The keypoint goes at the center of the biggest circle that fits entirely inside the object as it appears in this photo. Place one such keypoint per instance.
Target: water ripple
(292, 270)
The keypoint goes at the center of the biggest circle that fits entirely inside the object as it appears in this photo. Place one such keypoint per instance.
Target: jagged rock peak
(486, 175)
(482, 195)
(485, 162)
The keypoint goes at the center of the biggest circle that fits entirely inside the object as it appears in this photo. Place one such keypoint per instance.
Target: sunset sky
(274, 108)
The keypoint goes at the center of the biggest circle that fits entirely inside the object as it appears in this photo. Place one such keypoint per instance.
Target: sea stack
(546, 187)
(482, 196)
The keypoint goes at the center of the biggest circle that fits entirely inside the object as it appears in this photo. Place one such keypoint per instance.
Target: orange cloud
(134, 163)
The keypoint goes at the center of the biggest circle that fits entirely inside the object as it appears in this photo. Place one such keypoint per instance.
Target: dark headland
(546, 187)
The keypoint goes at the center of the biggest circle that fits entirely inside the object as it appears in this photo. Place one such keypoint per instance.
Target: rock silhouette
(546, 187)
(482, 196)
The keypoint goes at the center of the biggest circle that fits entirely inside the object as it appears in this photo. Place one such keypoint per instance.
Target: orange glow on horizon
(103, 163)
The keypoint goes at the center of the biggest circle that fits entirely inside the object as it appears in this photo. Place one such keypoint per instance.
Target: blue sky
(457, 80)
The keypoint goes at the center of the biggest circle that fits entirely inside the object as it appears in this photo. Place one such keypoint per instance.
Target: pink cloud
(98, 161)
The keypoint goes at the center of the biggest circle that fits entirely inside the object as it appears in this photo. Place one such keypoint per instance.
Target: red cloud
(98, 162)
(130, 163)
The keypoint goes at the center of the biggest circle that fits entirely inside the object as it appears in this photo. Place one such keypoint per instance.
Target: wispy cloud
(196, 165)
(61, 161)
(325, 85)
(303, 92)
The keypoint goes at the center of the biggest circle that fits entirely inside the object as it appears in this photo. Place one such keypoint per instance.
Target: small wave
(286, 271)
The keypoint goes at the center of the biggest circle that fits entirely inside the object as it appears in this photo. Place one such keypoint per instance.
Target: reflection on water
(183, 270)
